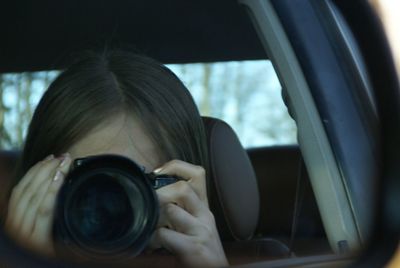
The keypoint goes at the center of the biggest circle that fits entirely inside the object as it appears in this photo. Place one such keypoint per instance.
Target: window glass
(19, 95)
(245, 94)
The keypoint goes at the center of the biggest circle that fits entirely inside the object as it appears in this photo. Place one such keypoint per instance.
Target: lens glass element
(106, 208)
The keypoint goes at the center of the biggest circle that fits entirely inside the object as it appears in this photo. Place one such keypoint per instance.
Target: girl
(126, 104)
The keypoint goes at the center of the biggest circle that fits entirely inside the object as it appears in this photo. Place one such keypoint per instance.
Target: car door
(330, 77)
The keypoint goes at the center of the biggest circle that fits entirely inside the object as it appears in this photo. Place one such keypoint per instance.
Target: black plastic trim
(322, 54)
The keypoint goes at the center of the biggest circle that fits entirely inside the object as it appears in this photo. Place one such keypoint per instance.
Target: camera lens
(107, 209)
(102, 212)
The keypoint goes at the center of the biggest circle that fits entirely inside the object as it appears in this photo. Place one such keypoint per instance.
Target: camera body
(107, 208)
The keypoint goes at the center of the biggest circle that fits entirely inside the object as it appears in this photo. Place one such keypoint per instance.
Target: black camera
(107, 208)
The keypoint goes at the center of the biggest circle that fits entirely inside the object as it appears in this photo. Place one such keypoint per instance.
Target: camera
(107, 208)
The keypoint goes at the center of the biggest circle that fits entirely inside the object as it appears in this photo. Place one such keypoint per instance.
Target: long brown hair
(100, 85)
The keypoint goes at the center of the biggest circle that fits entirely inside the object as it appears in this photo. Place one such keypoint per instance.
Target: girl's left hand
(186, 226)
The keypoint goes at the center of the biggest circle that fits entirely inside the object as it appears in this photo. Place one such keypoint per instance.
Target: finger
(28, 219)
(182, 194)
(34, 168)
(30, 195)
(154, 242)
(63, 160)
(26, 179)
(36, 178)
(162, 218)
(180, 220)
(41, 191)
(45, 173)
(171, 240)
(45, 212)
(65, 164)
(195, 175)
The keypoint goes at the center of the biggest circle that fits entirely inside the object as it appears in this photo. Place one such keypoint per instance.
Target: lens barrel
(107, 209)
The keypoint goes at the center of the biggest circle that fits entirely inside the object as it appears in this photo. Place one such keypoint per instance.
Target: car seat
(234, 197)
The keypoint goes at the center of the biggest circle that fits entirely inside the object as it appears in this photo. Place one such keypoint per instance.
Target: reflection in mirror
(240, 93)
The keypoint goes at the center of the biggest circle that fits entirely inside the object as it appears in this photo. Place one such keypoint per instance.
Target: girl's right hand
(31, 207)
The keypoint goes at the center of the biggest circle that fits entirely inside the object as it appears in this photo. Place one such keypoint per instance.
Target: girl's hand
(186, 226)
(31, 207)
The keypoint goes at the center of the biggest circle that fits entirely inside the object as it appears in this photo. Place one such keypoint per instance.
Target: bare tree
(4, 136)
(205, 103)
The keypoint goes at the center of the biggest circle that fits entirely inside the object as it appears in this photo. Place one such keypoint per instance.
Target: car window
(239, 92)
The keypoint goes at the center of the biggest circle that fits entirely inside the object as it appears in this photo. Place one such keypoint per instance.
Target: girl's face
(122, 135)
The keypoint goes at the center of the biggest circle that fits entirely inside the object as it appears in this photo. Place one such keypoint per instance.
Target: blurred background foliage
(245, 94)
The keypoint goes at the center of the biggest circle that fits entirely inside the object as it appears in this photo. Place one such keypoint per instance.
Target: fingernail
(65, 159)
(58, 175)
(157, 170)
(49, 157)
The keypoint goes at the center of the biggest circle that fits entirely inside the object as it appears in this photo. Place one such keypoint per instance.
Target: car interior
(264, 201)
(242, 197)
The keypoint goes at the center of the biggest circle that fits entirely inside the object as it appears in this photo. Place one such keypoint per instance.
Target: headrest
(234, 196)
